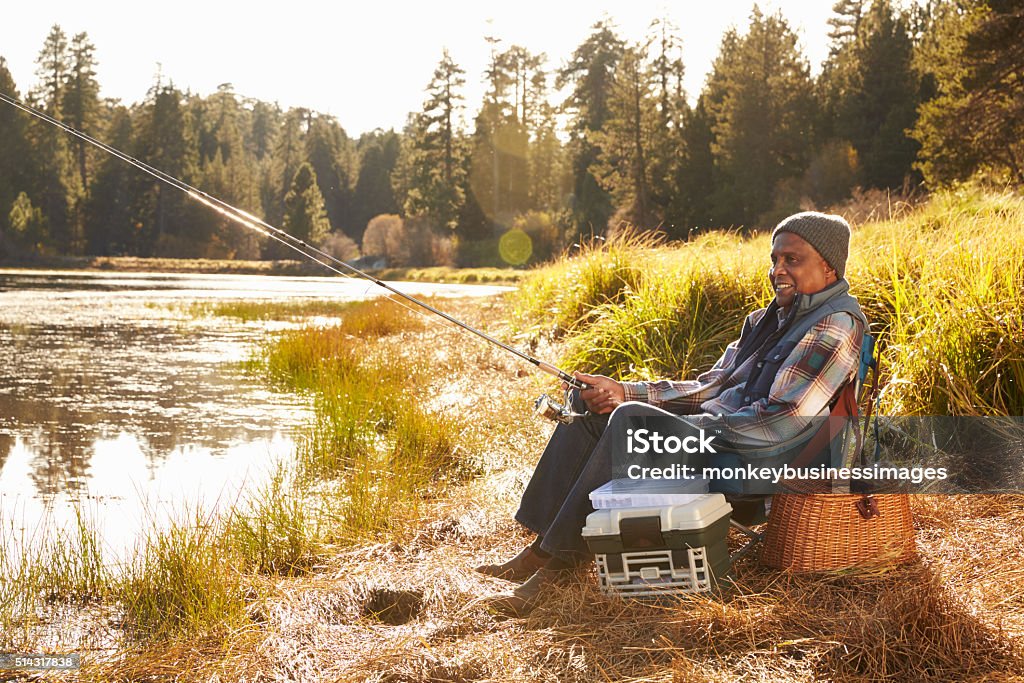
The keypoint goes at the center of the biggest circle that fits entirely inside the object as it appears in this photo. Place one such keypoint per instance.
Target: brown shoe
(519, 568)
(525, 598)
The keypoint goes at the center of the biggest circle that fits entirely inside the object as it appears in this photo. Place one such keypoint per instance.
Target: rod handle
(561, 374)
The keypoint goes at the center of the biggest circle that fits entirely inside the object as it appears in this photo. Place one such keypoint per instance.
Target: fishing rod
(545, 405)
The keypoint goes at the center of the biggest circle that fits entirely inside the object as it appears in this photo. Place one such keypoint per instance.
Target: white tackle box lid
(696, 515)
(630, 493)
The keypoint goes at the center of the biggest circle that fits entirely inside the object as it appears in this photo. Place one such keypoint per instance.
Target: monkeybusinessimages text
(646, 441)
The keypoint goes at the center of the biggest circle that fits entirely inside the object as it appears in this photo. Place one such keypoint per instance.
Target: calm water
(112, 395)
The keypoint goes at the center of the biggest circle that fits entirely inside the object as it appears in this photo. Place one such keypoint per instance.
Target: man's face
(797, 267)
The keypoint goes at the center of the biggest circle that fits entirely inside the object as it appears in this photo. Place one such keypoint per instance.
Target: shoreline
(279, 268)
(132, 264)
(402, 598)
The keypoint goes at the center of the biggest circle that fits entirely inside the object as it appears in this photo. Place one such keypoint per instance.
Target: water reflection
(110, 391)
(127, 492)
(67, 391)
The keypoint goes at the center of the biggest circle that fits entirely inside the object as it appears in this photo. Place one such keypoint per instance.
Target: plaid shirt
(815, 371)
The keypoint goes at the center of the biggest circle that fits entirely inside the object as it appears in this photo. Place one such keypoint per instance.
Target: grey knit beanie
(827, 233)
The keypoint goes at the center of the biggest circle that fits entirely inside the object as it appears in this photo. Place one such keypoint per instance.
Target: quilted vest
(772, 344)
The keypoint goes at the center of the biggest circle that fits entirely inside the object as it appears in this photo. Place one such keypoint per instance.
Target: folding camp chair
(752, 510)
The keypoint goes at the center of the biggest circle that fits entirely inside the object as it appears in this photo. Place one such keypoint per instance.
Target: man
(790, 361)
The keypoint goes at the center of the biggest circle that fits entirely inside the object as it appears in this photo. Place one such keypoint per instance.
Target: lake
(117, 401)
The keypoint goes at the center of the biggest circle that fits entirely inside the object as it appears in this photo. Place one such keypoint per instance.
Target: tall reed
(74, 568)
(371, 435)
(20, 584)
(48, 566)
(945, 287)
(185, 579)
(277, 528)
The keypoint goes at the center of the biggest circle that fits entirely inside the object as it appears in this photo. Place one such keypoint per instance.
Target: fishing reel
(549, 408)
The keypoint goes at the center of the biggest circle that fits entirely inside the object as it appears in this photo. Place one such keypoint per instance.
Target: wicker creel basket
(810, 532)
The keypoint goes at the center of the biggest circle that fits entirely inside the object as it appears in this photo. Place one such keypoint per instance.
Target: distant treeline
(931, 94)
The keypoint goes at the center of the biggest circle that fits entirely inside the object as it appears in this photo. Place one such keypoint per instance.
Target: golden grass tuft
(184, 580)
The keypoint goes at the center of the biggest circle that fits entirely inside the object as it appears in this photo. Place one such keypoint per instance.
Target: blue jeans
(577, 460)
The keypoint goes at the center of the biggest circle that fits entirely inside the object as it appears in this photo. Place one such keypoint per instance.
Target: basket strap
(868, 507)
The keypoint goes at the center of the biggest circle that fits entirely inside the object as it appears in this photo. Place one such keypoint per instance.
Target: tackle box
(661, 550)
(635, 493)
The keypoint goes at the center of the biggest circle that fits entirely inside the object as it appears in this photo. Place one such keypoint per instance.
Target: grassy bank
(247, 311)
(460, 276)
(138, 264)
(941, 286)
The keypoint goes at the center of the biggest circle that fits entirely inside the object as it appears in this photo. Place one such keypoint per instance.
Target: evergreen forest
(910, 98)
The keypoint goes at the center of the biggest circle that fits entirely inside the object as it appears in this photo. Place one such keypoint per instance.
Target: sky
(366, 64)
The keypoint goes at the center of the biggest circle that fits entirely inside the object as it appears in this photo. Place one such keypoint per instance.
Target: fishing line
(231, 212)
(544, 404)
(253, 225)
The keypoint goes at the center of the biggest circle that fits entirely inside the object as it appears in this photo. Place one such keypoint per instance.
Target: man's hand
(602, 395)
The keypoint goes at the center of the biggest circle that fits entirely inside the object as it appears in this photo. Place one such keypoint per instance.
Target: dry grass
(922, 622)
(462, 276)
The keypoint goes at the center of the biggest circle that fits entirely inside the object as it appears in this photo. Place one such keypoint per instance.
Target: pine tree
(696, 173)
(429, 177)
(261, 140)
(626, 141)
(589, 72)
(760, 104)
(329, 151)
(280, 167)
(110, 221)
(227, 169)
(266, 121)
(80, 107)
(874, 93)
(305, 217)
(80, 101)
(53, 69)
(53, 182)
(975, 124)
(15, 159)
(845, 23)
(234, 180)
(513, 136)
(667, 150)
(165, 139)
(373, 195)
(499, 172)
(550, 181)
